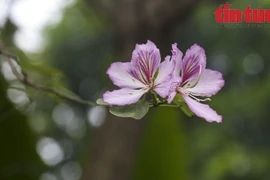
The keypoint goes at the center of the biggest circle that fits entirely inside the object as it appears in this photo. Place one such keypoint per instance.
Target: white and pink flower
(186, 76)
(145, 72)
(193, 81)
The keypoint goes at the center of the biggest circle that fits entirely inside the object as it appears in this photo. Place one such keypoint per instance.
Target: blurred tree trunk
(115, 143)
(18, 158)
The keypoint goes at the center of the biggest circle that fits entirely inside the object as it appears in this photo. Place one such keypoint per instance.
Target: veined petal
(165, 71)
(123, 96)
(174, 84)
(122, 76)
(209, 84)
(194, 59)
(163, 89)
(171, 97)
(202, 110)
(146, 58)
(177, 57)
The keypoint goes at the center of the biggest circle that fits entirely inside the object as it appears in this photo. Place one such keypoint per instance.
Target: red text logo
(224, 14)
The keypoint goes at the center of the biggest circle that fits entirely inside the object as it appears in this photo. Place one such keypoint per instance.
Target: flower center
(183, 88)
(189, 84)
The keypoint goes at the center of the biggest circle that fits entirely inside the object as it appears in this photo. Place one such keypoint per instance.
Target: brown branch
(8, 55)
(22, 77)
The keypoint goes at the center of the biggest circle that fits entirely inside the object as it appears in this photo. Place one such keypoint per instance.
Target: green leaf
(46, 70)
(186, 110)
(100, 102)
(25, 63)
(67, 92)
(137, 110)
(179, 100)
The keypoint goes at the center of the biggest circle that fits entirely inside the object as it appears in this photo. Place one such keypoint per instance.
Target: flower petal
(177, 57)
(163, 89)
(202, 110)
(122, 75)
(123, 96)
(171, 97)
(146, 57)
(209, 84)
(194, 58)
(165, 71)
(174, 84)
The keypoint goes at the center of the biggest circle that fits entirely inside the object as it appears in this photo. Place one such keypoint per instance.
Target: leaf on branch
(66, 92)
(137, 110)
(179, 100)
(41, 68)
(46, 70)
(186, 110)
(100, 102)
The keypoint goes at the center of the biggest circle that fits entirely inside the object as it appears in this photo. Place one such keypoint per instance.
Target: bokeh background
(69, 44)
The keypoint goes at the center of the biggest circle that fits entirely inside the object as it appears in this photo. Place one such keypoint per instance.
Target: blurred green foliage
(164, 148)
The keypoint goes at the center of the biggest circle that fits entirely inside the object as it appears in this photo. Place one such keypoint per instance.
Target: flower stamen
(197, 99)
(197, 80)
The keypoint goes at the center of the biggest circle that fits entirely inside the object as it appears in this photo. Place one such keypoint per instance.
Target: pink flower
(142, 74)
(192, 80)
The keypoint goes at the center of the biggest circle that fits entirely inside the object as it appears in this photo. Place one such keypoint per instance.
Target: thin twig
(8, 55)
(22, 76)
(162, 104)
(169, 105)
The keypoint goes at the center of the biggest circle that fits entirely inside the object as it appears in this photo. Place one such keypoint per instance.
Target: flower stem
(156, 100)
(169, 105)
